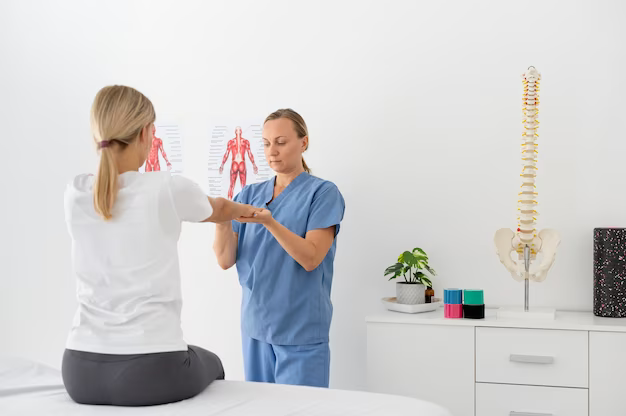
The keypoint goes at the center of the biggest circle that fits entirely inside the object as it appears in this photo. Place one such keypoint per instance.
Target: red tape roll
(453, 311)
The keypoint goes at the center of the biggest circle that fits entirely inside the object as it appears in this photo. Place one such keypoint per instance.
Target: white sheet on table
(31, 389)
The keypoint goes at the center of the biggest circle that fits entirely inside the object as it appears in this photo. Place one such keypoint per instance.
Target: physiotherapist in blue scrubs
(284, 257)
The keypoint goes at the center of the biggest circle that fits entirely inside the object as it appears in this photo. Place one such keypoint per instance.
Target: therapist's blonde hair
(298, 124)
(118, 115)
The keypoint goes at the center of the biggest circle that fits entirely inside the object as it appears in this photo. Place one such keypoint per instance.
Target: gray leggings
(139, 380)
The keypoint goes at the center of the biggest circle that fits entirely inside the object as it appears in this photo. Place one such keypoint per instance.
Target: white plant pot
(410, 293)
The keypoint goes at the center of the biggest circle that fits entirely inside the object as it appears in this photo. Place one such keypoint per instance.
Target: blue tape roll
(453, 296)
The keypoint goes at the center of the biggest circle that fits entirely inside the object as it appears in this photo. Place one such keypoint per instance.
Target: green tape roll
(473, 297)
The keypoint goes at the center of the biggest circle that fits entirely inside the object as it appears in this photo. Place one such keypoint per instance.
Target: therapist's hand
(245, 211)
(262, 216)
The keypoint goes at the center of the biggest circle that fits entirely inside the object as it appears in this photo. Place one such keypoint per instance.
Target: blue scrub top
(283, 304)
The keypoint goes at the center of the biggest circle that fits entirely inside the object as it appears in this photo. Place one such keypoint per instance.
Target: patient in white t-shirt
(126, 345)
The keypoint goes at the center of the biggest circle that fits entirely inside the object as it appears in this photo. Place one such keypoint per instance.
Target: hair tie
(104, 143)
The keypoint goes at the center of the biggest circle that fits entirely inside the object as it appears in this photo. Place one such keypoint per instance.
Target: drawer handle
(532, 359)
(529, 414)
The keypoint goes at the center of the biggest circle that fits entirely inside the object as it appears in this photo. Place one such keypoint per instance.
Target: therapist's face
(283, 147)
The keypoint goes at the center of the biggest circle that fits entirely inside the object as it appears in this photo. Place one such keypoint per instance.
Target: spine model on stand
(526, 242)
(527, 204)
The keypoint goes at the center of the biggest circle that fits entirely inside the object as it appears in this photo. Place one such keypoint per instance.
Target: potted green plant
(411, 265)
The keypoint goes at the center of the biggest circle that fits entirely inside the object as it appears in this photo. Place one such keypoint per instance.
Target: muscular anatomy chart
(238, 148)
(236, 158)
(167, 146)
(152, 163)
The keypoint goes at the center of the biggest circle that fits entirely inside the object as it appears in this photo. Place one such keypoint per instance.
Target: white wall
(414, 112)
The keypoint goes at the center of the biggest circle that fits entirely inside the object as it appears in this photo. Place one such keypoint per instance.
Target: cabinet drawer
(532, 356)
(509, 400)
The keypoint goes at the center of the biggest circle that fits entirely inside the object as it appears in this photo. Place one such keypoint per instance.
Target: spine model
(527, 204)
(526, 241)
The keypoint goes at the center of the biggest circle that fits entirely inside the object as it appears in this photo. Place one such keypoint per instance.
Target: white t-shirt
(128, 277)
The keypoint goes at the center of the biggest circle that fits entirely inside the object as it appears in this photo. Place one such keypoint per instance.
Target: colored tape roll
(474, 311)
(453, 311)
(453, 296)
(473, 297)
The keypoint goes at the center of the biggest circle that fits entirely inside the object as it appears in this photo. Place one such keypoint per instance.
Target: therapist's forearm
(225, 245)
(301, 250)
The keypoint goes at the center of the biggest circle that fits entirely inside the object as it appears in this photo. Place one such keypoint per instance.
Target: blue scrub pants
(303, 365)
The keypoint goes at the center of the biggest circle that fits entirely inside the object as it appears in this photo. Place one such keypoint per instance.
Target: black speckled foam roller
(609, 272)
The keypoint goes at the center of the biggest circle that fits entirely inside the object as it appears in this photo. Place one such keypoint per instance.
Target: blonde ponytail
(306, 167)
(105, 188)
(118, 116)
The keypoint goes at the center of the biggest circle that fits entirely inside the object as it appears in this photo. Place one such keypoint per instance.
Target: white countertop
(578, 321)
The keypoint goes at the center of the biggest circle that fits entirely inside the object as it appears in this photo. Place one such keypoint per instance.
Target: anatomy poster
(235, 157)
(167, 149)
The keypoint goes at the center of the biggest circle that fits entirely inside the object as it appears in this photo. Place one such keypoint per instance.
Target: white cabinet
(510, 400)
(413, 360)
(607, 374)
(532, 356)
(574, 365)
